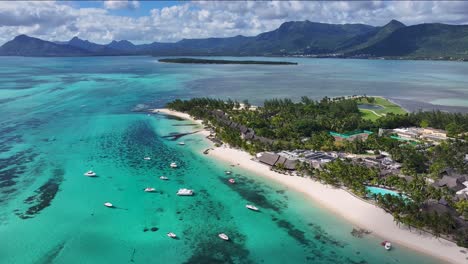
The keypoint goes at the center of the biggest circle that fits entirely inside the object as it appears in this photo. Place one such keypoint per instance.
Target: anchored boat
(251, 207)
(185, 192)
(223, 236)
(90, 173)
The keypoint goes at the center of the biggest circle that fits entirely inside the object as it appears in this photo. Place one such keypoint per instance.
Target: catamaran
(184, 192)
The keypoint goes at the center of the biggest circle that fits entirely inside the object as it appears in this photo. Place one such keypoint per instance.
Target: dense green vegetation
(306, 125)
(206, 61)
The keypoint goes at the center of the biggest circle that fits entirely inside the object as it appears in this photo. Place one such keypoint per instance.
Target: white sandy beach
(355, 210)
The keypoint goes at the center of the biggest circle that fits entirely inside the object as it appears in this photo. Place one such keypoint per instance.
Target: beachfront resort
(413, 165)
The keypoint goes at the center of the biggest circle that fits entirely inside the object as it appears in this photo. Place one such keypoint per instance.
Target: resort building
(273, 159)
(415, 133)
(454, 181)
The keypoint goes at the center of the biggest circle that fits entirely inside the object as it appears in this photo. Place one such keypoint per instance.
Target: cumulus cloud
(58, 20)
(121, 4)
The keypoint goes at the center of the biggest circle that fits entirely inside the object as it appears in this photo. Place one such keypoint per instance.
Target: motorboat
(223, 236)
(149, 189)
(108, 205)
(147, 158)
(171, 235)
(232, 181)
(181, 143)
(90, 173)
(173, 165)
(164, 178)
(185, 192)
(228, 172)
(251, 207)
(387, 245)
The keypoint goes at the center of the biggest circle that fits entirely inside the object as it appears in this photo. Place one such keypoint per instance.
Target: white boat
(181, 143)
(90, 173)
(173, 165)
(149, 189)
(164, 178)
(232, 181)
(108, 204)
(147, 158)
(228, 172)
(223, 236)
(185, 192)
(251, 207)
(171, 235)
(388, 245)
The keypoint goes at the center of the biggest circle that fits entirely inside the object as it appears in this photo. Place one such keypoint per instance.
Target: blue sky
(143, 9)
(169, 21)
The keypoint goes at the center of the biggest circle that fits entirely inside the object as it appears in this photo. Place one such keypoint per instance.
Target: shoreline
(347, 206)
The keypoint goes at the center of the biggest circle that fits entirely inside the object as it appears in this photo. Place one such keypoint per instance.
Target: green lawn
(388, 107)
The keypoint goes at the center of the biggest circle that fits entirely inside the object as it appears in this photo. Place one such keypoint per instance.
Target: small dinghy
(251, 207)
(173, 165)
(147, 158)
(232, 181)
(223, 236)
(108, 205)
(164, 178)
(387, 245)
(90, 173)
(171, 235)
(149, 189)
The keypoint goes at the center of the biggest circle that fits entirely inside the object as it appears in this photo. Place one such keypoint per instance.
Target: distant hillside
(23, 45)
(304, 37)
(372, 37)
(422, 41)
(296, 38)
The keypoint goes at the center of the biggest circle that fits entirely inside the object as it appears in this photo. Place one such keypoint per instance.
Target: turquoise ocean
(63, 116)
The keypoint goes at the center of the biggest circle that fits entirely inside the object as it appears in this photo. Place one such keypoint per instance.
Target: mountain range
(295, 38)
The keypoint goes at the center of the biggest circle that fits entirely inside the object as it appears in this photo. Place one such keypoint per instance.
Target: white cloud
(121, 4)
(54, 20)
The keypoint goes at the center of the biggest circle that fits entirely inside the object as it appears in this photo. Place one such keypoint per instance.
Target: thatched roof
(269, 158)
(290, 164)
(281, 160)
(453, 183)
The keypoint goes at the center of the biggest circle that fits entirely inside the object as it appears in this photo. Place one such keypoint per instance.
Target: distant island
(206, 61)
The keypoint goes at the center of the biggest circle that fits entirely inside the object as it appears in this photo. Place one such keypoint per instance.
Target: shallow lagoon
(64, 116)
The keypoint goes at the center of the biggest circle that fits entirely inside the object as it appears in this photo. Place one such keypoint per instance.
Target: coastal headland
(341, 202)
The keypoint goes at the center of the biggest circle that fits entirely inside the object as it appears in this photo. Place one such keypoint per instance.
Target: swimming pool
(382, 191)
